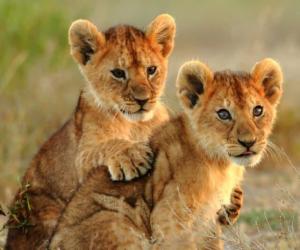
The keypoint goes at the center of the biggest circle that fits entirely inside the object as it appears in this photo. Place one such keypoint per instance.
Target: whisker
(270, 154)
(283, 155)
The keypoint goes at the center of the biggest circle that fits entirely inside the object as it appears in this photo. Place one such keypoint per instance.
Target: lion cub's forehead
(237, 87)
(131, 45)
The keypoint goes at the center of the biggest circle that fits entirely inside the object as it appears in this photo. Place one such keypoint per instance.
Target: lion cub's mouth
(246, 153)
(140, 111)
(140, 115)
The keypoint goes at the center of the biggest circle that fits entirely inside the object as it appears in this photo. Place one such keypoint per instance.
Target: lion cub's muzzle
(141, 102)
(246, 152)
(138, 109)
(248, 145)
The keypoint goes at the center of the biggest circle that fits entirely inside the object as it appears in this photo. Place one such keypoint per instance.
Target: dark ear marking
(269, 91)
(268, 73)
(196, 83)
(85, 40)
(86, 52)
(192, 80)
(193, 99)
(86, 49)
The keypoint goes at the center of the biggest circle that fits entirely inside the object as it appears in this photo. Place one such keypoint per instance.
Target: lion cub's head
(125, 67)
(231, 113)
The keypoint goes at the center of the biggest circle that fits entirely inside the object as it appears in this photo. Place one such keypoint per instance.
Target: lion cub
(226, 122)
(125, 71)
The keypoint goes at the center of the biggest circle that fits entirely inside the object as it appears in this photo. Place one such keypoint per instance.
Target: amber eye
(118, 73)
(151, 70)
(224, 114)
(258, 111)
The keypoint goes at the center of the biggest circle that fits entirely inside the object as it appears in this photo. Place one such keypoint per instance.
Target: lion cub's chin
(246, 161)
(139, 116)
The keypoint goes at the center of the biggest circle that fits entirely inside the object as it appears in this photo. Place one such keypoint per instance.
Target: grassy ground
(39, 85)
(270, 216)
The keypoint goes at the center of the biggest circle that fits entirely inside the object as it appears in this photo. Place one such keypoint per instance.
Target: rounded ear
(161, 31)
(85, 40)
(192, 80)
(268, 73)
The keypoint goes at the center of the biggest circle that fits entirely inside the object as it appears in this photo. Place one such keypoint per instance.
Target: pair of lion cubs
(120, 123)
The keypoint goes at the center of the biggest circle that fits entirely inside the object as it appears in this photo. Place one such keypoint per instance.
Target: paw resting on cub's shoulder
(131, 162)
(125, 69)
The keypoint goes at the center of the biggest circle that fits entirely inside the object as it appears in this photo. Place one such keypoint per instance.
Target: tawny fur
(195, 170)
(109, 127)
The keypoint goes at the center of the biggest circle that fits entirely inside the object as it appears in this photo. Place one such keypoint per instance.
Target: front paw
(131, 163)
(229, 214)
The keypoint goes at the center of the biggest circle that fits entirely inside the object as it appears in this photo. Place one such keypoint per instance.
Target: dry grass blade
(19, 213)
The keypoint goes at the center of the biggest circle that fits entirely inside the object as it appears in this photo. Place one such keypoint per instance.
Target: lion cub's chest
(220, 184)
(207, 189)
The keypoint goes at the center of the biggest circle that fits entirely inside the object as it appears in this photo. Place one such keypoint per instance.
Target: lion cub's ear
(161, 31)
(268, 73)
(192, 80)
(85, 40)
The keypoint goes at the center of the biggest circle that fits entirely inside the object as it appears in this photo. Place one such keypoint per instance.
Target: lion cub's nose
(141, 102)
(247, 144)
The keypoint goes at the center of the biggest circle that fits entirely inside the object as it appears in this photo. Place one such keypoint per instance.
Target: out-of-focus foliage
(30, 29)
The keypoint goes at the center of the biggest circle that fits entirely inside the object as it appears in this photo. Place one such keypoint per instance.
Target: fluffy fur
(116, 112)
(195, 170)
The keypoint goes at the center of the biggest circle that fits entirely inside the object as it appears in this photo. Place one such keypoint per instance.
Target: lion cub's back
(101, 197)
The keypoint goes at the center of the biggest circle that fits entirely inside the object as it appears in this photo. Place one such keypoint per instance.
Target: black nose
(141, 102)
(247, 144)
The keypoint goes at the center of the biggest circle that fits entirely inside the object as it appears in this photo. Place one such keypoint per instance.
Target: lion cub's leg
(125, 160)
(229, 214)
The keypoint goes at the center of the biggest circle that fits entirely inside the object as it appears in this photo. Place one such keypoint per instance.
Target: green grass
(19, 213)
(36, 94)
(29, 30)
(33, 31)
(271, 219)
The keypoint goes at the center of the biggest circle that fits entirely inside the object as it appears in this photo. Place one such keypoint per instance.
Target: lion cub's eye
(258, 111)
(118, 73)
(224, 114)
(151, 70)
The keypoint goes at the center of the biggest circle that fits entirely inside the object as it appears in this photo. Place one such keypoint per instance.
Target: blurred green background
(40, 83)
